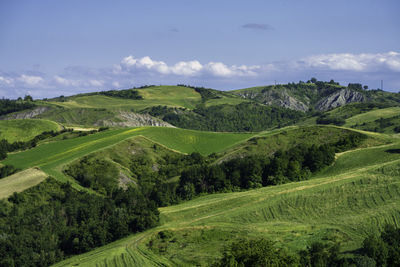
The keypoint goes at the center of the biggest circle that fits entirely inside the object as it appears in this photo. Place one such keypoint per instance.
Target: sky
(63, 47)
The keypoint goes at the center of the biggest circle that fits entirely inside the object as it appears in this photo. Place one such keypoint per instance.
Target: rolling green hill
(346, 202)
(51, 157)
(372, 115)
(24, 130)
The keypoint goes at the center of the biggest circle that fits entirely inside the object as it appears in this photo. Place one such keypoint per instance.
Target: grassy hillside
(267, 143)
(52, 156)
(372, 115)
(357, 196)
(24, 130)
(20, 181)
(173, 96)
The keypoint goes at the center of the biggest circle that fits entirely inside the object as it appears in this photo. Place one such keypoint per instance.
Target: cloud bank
(132, 71)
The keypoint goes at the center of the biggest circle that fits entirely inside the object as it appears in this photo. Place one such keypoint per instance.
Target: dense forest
(52, 221)
(227, 118)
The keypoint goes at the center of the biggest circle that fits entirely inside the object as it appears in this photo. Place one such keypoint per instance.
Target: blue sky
(49, 48)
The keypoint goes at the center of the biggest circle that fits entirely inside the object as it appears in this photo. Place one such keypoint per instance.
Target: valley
(211, 168)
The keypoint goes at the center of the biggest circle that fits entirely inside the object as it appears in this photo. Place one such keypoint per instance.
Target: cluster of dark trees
(255, 171)
(241, 117)
(95, 173)
(9, 106)
(7, 170)
(51, 221)
(380, 125)
(126, 94)
(383, 250)
(326, 119)
(206, 93)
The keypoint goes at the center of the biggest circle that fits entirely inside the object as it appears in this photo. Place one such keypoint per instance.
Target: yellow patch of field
(20, 181)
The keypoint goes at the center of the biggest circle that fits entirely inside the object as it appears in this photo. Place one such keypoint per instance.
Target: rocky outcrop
(272, 97)
(26, 114)
(131, 119)
(340, 98)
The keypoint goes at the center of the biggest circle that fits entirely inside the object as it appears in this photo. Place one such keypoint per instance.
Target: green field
(173, 96)
(51, 157)
(25, 129)
(20, 181)
(356, 196)
(372, 115)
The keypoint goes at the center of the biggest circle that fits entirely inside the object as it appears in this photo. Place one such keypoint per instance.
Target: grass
(25, 129)
(173, 96)
(343, 203)
(51, 157)
(20, 181)
(372, 116)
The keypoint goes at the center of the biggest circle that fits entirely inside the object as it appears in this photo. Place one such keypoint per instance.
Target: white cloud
(187, 68)
(30, 79)
(355, 62)
(219, 69)
(96, 83)
(5, 80)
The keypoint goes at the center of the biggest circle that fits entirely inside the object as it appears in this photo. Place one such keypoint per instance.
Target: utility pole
(382, 85)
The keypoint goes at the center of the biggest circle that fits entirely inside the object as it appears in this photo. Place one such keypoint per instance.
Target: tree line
(9, 106)
(243, 117)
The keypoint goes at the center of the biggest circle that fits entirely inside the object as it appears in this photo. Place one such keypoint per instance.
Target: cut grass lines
(20, 181)
(345, 205)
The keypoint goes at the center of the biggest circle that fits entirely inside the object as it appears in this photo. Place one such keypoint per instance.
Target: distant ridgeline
(251, 109)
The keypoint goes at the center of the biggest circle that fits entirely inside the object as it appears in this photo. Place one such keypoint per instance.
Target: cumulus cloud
(185, 68)
(258, 26)
(30, 79)
(355, 62)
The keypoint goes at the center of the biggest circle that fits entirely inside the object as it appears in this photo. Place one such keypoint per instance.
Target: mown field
(356, 196)
(24, 130)
(20, 181)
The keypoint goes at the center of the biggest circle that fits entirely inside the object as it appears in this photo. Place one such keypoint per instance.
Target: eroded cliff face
(283, 99)
(26, 114)
(131, 119)
(340, 98)
(271, 97)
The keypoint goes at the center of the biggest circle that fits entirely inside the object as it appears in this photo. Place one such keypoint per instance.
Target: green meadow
(356, 196)
(372, 116)
(25, 129)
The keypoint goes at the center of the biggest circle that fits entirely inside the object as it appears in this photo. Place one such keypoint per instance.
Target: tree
(28, 98)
